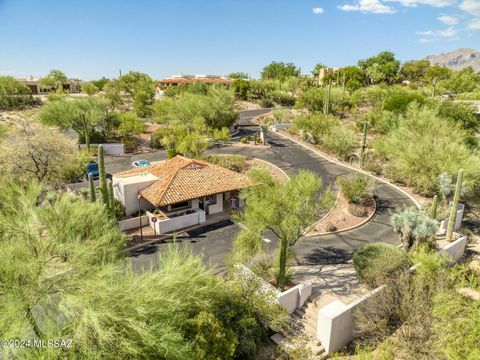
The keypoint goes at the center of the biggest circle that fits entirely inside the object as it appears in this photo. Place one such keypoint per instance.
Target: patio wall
(218, 207)
(132, 223)
(114, 149)
(175, 223)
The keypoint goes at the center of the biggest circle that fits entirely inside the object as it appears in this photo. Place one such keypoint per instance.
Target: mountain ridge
(457, 59)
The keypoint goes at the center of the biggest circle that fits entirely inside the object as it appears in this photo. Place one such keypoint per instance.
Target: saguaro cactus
(433, 210)
(453, 211)
(326, 99)
(111, 197)
(91, 186)
(364, 144)
(102, 175)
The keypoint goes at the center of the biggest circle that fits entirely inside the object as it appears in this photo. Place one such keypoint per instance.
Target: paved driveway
(214, 242)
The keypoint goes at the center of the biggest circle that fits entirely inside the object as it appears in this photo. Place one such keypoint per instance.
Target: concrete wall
(277, 127)
(81, 185)
(455, 249)
(127, 194)
(218, 207)
(289, 299)
(116, 149)
(176, 223)
(132, 223)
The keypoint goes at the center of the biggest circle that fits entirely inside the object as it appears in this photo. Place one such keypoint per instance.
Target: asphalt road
(214, 242)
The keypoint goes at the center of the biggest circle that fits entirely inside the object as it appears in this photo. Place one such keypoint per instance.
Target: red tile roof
(181, 179)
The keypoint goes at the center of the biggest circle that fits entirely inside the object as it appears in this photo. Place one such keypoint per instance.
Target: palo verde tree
(286, 209)
(280, 71)
(380, 68)
(85, 116)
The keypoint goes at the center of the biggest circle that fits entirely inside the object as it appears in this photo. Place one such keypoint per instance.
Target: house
(36, 88)
(179, 192)
(181, 79)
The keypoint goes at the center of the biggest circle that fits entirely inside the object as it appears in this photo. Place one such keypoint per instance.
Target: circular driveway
(214, 242)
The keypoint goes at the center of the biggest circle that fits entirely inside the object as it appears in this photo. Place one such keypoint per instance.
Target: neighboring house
(179, 192)
(37, 89)
(176, 80)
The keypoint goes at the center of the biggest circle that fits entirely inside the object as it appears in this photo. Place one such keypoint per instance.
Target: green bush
(424, 146)
(243, 140)
(398, 101)
(172, 153)
(236, 163)
(157, 136)
(355, 187)
(340, 141)
(375, 262)
(282, 98)
(266, 102)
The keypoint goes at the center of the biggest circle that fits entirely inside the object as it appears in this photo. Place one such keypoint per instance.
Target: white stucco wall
(289, 299)
(218, 207)
(126, 191)
(116, 149)
(455, 249)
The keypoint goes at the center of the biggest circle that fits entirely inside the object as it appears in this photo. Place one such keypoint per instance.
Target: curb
(349, 228)
(417, 204)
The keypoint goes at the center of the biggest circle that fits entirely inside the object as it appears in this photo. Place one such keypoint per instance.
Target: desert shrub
(232, 162)
(157, 136)
(415, 228)
(330, 227)
(425, 145)
(355, 187)
(312, 100)
(14, 95)
(172, 153)
(282, 98)
(266, 102)
(357, 210)
(398, 101)
(282, 116)
(243, 140)
(340, 141)
(377, 261)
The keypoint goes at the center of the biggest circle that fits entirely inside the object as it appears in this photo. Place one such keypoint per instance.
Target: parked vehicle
(141, 163)
(92, 168)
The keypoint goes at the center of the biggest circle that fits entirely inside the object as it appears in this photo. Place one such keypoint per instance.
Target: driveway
(214, 242)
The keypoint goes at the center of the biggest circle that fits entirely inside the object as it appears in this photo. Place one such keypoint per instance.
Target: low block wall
(115, 149)
(176, 223)
(277, 127)
(455, 249)
(132, 223)
(81, 185)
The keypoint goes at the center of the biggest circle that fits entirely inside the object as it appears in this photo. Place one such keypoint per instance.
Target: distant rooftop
(202, 78)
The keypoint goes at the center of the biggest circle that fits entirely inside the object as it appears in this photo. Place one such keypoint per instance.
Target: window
(179, 205)
(212, 199)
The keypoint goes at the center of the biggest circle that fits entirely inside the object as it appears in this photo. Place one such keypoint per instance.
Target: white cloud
(434, 3)
(474, 24)
(448, 19)
(447, 33)
(471, 6)
(424, 40)
(368, 6)
(318, 10)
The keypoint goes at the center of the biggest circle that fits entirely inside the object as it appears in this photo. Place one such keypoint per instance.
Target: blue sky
(88, 39)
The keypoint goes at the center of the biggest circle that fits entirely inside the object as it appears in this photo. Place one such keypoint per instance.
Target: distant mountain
(457, 60)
